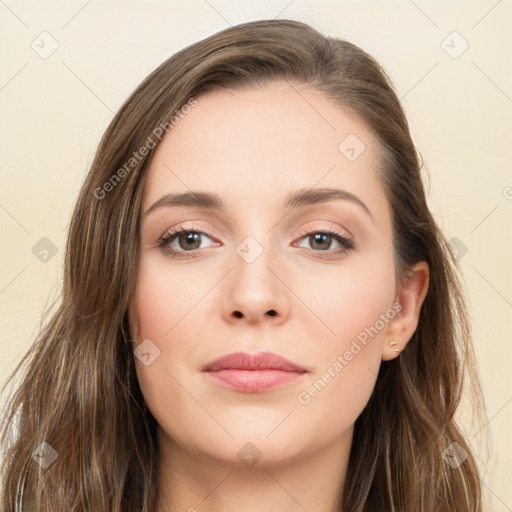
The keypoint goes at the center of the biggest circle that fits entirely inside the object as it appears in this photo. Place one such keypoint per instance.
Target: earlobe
(410, 297)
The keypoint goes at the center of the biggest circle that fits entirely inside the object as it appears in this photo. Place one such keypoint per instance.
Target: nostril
(237, 314)
(272, 312)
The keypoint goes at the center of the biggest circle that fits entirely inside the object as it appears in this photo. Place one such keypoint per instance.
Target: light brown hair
(78, 389)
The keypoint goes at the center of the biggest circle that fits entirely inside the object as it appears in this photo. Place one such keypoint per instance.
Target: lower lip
(253, 381)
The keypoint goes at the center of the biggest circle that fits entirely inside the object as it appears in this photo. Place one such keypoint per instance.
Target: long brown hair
(78, 389)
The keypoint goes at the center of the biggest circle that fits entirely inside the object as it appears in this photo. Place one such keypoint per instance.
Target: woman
(304, 352)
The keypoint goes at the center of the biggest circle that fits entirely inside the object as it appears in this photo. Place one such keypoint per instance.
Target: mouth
(253, 373)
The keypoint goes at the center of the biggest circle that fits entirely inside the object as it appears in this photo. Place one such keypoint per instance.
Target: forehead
(257, 143)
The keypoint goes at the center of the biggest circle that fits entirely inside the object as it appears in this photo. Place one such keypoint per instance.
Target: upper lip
(258, 361)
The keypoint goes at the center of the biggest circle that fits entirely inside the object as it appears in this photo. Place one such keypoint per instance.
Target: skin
(252, 147)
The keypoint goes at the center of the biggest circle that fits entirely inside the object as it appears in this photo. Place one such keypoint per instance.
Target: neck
(198, 482)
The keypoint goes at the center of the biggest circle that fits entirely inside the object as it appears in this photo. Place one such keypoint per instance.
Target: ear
(410, 296)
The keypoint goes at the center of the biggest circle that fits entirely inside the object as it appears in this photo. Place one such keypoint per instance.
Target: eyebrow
(296, 198)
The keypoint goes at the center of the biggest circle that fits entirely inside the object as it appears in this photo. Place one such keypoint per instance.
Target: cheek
(164, 296)
(164, 307)
(356, 308)
(353, 299)
(345, 376)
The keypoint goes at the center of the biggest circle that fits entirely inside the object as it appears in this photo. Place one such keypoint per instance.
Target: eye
(187, 239)
(321, 242)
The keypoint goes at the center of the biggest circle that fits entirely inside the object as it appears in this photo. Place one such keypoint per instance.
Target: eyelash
(347, 243)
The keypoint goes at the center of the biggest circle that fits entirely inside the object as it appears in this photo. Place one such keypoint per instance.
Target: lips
(253, 373)
(259, 361)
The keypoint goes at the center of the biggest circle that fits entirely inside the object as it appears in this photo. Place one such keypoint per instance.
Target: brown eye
(181, 241)
(321, 242)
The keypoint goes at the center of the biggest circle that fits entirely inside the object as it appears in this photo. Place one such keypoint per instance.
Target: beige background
(55, 109)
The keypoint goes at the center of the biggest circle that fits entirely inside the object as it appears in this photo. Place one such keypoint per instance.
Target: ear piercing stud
(393, 343)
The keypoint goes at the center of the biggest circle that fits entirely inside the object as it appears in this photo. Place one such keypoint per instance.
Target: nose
(255, 290)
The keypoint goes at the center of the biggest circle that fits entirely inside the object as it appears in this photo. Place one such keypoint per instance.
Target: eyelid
(329, 229)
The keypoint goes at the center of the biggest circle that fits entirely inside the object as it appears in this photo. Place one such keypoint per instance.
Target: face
(312, 281)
